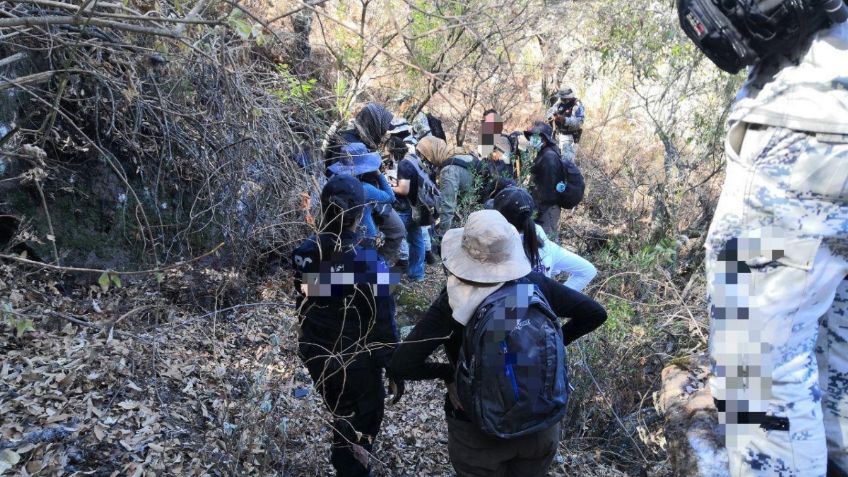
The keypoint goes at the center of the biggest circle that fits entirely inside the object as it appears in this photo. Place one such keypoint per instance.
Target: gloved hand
(396, 389)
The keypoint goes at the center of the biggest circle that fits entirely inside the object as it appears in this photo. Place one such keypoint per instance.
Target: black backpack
(736, 33)
(511, 375)
(436, 128)
(428, 194)
(575, 185)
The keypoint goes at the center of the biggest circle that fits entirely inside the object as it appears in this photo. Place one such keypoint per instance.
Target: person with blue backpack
(507, 384)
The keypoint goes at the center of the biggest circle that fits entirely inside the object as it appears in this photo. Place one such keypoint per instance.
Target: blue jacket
(343, 299)
(373, 198)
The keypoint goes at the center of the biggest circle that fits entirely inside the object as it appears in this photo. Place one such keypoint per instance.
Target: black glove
(396, 389)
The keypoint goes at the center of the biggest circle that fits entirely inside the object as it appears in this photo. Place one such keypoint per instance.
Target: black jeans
(355, 395)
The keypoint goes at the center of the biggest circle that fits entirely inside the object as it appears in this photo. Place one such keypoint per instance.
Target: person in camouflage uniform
(777, 259)
(566, 113)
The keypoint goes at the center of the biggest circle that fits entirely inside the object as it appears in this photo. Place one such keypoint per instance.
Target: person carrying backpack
(496, 318)
(417, 197)
(545, 256)
(365, 166)
(455, 171)
(557, 182)
(347, 324)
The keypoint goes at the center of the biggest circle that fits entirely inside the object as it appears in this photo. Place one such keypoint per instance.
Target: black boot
(401, 266)
(429, 257)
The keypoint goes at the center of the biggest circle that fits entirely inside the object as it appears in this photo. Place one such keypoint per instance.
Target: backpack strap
(471, 165)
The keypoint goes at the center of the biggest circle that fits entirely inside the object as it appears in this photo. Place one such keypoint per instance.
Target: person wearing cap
(407, 192)
(567, 114)
(545, 175)
(347, 324)
(369, 127)
(455, 173)
(480, 258)
(517, 206)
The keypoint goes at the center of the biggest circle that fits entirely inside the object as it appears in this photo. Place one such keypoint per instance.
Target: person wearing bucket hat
(546, 174)
(337, 276)
(567, 115)
(517, 206)
(365, 166)
(486, 256)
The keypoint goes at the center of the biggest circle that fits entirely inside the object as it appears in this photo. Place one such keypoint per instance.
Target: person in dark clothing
(477, 265)
(406, 192)
(546, 173)
(495, 170)
(347, 326)
(369, 127)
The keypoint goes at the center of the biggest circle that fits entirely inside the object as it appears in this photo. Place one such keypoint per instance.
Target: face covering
(536, 141)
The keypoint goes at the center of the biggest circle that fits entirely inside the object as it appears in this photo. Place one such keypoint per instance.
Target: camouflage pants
(567, 146)
(776, 264)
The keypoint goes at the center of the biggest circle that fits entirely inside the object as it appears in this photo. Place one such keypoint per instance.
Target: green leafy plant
(294, 89)
(245, 29)
(20, 323)
(107, 280)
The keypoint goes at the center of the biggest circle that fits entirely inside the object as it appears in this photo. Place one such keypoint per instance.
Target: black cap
(344, 191)
(543, 129)
(515, 204)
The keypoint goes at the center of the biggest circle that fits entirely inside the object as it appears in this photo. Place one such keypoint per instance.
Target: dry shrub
(156, 149)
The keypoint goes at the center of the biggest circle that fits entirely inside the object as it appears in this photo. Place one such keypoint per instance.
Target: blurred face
(490, 127)
(497, 155)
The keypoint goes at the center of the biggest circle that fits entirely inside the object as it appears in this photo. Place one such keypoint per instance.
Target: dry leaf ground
(175, 391)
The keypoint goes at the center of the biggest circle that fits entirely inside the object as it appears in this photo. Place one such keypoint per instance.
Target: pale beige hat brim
(458, 262)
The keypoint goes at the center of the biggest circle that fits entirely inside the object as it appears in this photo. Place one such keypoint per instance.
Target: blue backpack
(511, 375)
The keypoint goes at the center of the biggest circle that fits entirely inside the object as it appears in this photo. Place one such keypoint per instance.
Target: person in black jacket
(347, 324)
(546, 173)
(481, 258)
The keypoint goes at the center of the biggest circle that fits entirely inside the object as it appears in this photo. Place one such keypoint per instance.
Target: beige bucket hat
(487, 250)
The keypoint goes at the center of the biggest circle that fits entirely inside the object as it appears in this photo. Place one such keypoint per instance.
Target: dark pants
(549, 220)
(474, 454)
(354, 394)
(389, 222)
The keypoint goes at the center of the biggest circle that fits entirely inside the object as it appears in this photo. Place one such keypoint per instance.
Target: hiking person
(495, 169)
(402, 140)
(545, 175)
(414, 207)
(545, 256)
(368, 127)
(491, 289)
(777, 248)
(557, 182)
(455, 169)
(567, 114)
(365, 166)
(491, 126)
(347, 324)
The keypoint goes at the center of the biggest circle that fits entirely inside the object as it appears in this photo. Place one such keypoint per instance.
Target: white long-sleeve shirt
(556, 259)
